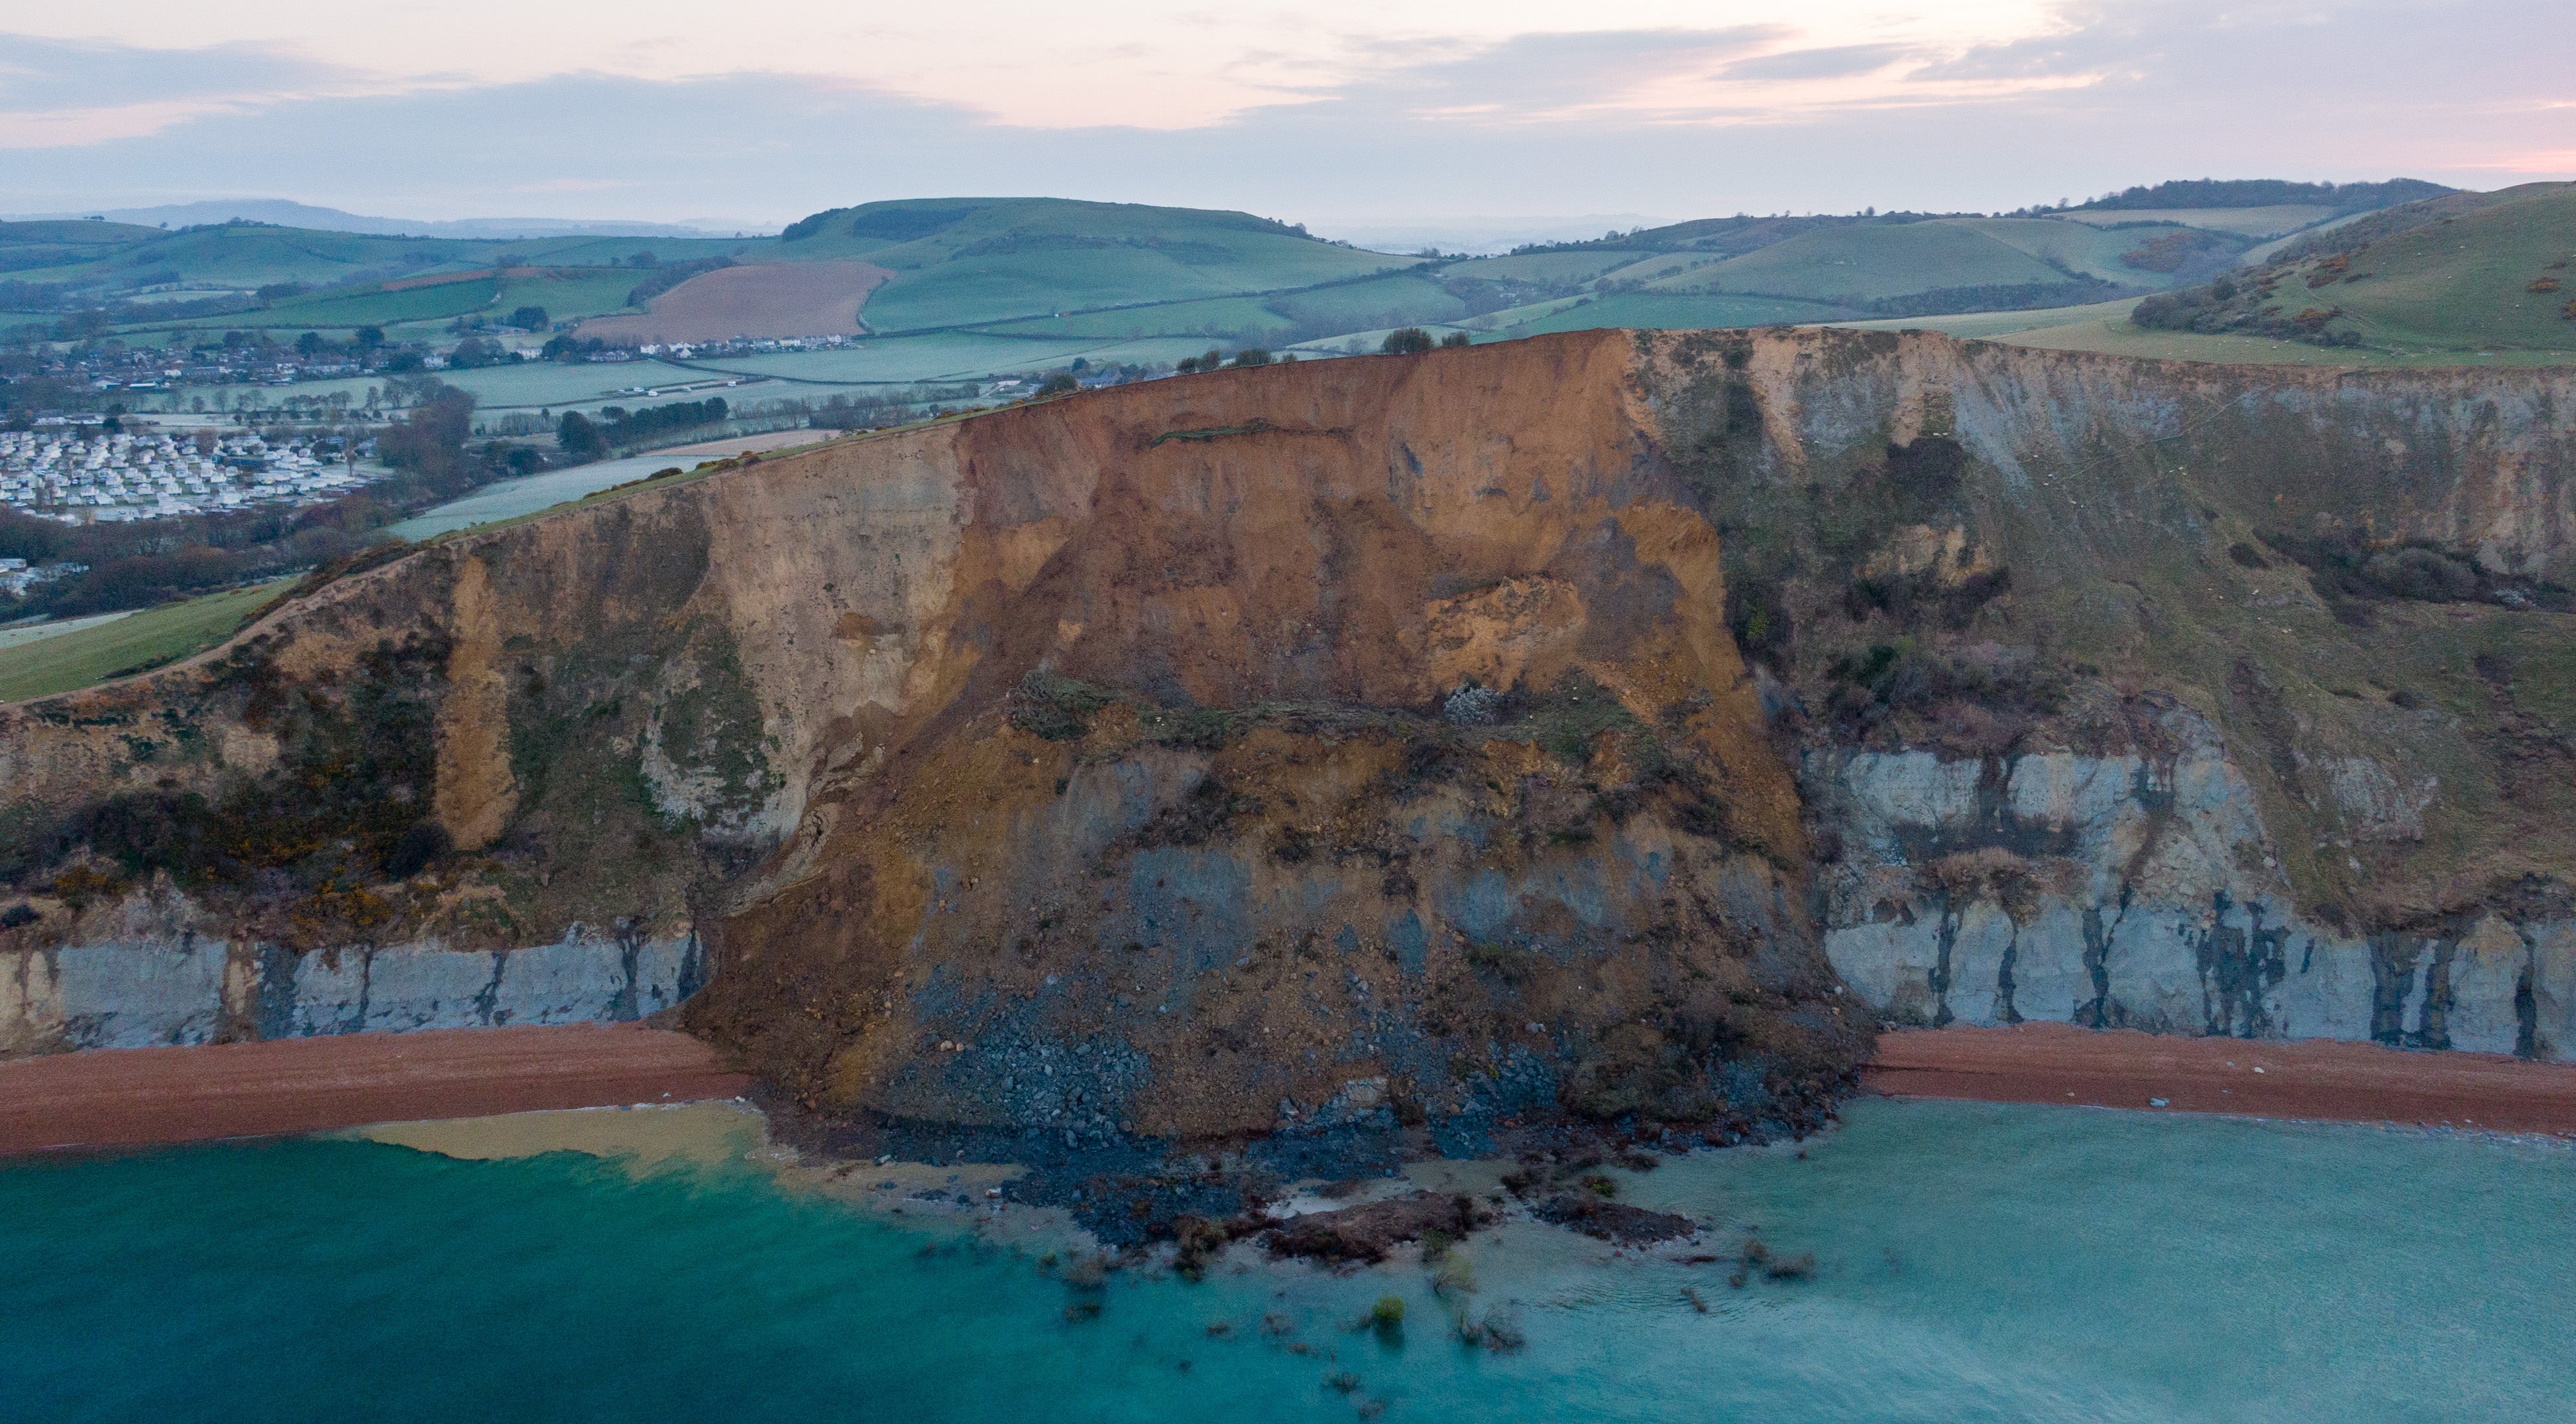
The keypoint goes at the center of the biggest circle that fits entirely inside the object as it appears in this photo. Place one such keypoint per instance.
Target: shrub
(1456, 339)
(1252, 356)
(1061, 383)
(1056, 708)
(1405, 341)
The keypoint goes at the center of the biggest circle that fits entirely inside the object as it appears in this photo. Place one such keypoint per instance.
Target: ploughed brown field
(143, 1097)
(2305, 1078)
(755, 299)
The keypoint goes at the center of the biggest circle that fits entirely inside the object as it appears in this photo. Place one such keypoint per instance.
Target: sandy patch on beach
(2306, 1078)
(153, 1096)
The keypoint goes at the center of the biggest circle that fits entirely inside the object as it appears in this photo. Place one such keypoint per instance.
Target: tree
(579, 438)
(1252, 356)
(369, 337)
(1405, 341)
(530, 319)
(1456, 339)
(430, 441)
(310, 344)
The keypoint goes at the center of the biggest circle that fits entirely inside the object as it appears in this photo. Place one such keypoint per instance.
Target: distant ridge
(2266, 193)
(286, 213)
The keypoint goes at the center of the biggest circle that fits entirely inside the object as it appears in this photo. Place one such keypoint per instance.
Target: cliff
(1611, 724)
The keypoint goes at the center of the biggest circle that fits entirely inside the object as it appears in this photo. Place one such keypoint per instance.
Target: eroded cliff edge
(1605, 723)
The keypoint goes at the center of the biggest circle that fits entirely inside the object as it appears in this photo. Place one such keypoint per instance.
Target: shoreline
(152, 1097)
(2315, 1079)
(158, 1097)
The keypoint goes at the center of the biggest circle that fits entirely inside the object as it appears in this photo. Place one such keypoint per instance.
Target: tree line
(585, 439)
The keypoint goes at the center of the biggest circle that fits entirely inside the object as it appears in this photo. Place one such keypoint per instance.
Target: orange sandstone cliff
(1609, 724)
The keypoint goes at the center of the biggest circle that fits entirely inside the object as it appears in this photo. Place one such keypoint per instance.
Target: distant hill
(1765, 271)
(963, 262)
(2267, 193)
(280, 212)
(982, 278)
(2459, 272)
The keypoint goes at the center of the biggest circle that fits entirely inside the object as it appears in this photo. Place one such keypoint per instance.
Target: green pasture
(2251, 222)
(943, 356)
(2089, 250)
(133, 644)
(2460, 284)
(337, 311)
(1869, 261)
(1232, 320)
(1676, 311)
(1396, 299)
(973, 262)
(1581, 265)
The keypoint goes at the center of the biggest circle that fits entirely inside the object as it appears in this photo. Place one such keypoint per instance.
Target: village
(89, 474)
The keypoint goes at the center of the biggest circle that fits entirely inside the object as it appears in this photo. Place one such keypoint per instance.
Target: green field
(994, 286)
(526, 386)
(2462, 277)
(1582, 265)
(2462, 283)
(245, 255)
(2105, 327)
(946, 356)
(145, 640)
(2251, 222)
(977, 261)
(1672, 311)
(1864, 263)
(1234, 319)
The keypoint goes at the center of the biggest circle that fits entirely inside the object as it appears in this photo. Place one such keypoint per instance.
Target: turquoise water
(1977, 1263)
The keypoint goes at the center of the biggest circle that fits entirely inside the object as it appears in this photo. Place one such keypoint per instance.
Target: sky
(1349, 115)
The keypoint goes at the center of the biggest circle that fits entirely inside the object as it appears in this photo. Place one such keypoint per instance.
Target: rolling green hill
(116, 257)
(2483, 272)
(962, 262)
(997, 285)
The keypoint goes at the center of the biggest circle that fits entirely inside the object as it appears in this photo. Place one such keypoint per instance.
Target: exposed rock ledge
(186, 990)
(2145, 892)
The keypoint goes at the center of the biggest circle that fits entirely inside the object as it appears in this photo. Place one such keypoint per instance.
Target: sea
(1972, 1263)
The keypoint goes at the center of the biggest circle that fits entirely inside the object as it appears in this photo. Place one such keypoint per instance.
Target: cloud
(56, 93)
(1659, 120)
(1834, 62)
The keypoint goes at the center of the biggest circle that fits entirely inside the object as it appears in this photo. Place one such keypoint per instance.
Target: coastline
(149, 1097)
(2325, 1080)
(154, 1097)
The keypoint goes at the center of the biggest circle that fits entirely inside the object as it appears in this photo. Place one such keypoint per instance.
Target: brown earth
(146, 1097)
(2308, 1078)
(755, 299)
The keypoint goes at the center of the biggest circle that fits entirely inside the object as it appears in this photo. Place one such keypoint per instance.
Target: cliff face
(2194, 699)
(1599, 723)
